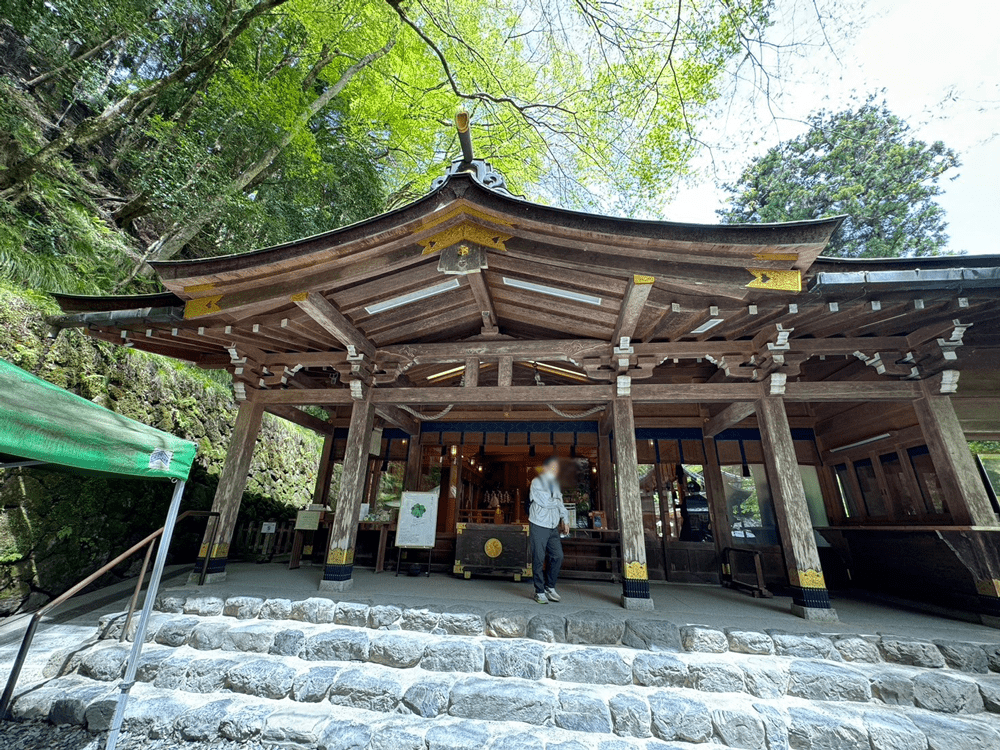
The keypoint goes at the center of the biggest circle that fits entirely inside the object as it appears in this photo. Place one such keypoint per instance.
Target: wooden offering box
(492, 549)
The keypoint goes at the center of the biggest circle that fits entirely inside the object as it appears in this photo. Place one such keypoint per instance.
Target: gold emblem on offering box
(493, 547)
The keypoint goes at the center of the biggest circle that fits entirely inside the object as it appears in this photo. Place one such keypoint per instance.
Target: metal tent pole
(147, 608)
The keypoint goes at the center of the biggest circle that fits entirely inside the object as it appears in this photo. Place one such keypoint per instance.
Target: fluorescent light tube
(552, 291)
(406, 299)
(708, 325)
(883, 436)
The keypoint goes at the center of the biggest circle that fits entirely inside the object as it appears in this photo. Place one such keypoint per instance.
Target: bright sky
(940, 67)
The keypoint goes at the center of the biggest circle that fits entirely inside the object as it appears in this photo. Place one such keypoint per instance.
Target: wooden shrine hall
(818, 408)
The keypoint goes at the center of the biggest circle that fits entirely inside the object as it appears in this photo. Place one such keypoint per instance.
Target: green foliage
(863, 163)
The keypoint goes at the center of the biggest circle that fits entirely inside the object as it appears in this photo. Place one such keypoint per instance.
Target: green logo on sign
(418, 510)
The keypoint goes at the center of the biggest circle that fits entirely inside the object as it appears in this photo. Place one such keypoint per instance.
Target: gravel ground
(36, 735)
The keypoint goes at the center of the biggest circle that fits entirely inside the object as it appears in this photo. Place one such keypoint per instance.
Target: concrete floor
(683, 604)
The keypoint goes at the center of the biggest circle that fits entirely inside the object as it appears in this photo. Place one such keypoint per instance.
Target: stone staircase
(349, 676)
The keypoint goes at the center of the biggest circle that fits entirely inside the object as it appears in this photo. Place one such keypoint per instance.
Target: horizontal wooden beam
(856, 390)
(731, 415)
(299, 417)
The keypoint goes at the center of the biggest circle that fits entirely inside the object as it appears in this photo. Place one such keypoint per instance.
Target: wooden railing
(250, 543)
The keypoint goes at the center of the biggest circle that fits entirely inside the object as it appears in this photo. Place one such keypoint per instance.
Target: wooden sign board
(417, 526)
(307, 520)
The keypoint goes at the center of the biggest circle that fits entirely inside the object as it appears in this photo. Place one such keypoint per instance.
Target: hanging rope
(582, 414)
(428, 417)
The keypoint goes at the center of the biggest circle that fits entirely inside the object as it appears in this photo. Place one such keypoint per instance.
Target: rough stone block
(202, 722)
(69, 705)
(993, 656)
(174, 631)
(261, 677)
(169, 603)
(677, 718)
(383, 615)
(276, 609)
(547, 628)
(458, 736)
(803, 645)
(989, 689)
(104, 664)
(172, 673)
(315, 609)
(811, 729)
(245, 722)
(208, 636)
(816, 680)
(506, 624)
(149, 663)
(35, 705)
(337, 645)
(451, 655)
(515, 658)
(892, 686)
(398, 734)
(154, 715)
(522, 741)
(617, 745)
(288, 643)
(396, 650)
(243, 607)
(892, 731)
(254, 637)
(367, 689)
(313, 685)
(503, 700)
(950, 694)
(203, 606)
(428, 698)
(341, 734)
(580, 711)
(630, 715)
(592, 666)
(207, 675)
(296, 724)
(947, 733)
(766, 679)
(716, 677)
(967, 657)
(594, 628)
(749, 641)
(775, 726)
(739, 728)
(659, 670)
(914, 653)
(462, 623)
(420, 619)
(857, 648)
(654, 635)
(65, 661)
(704, 639)
(354, 614)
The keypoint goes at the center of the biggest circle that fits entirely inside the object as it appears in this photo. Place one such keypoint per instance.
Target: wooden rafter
(317, 307)
(636, 295)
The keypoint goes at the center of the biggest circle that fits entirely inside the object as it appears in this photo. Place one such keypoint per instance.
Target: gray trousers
(545, 546)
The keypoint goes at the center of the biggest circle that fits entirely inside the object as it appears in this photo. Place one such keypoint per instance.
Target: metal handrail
(148, 542)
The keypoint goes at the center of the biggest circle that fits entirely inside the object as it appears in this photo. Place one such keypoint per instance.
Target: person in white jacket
(547, 517)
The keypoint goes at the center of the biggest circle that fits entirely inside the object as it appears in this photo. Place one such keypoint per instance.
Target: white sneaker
(541, 599)
(551, 595)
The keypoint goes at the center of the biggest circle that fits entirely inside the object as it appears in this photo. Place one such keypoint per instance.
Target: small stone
(367, 689)
(857, 648)
(938, 691)
(70, 705)
(396, 650)
(580, 711)
(243, 607)
(420, 619)
(775, 726)
(149, 663)
(704, 639)
(716, 677)
(288, 643)
(203, 606)
(296, 724)
(592, 666)
(749, 641)
(462, 623)
(245, 722)
(428, 698)
(260, 677)
(913, 653)
(812, 729)
(653, 635)
(345, 735)
(892, 686)
(739, 729)
(175, 631)
(819, 681)
(105, 664)
(202, 723)
(451, 655)
(804, 646)
(502, 700)
(594, 628)
(659, 670)
(315, 609)
(547, 628)
(677, 718)
(207, 675)
(947, 733)
(630, 715)
(313, 685)
(383, 615)
(255, 637)
(208, 636)
(351, 613)
(458, 736)
(892, 731)
(966, 657)
(276, 609)
(515, 658)
(766, 679)
(505, 624)
(169, 603)
(337, 645)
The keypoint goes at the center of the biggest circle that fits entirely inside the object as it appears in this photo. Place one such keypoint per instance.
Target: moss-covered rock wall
(57, 527)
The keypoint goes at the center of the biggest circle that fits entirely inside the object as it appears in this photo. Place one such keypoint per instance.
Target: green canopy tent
(42, 424)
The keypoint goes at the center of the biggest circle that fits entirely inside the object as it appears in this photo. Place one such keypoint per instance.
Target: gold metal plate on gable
(776, 280)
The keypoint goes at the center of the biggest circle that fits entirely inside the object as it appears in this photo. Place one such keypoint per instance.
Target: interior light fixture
(446, 373)
(874, 439)
(558, 370)
(708, 325)
(406, 299)
(552, 291)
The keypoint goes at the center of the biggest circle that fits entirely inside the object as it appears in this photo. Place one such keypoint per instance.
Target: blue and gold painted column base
(635, 587)
(810, 597)
(216, 570)
(339, 569)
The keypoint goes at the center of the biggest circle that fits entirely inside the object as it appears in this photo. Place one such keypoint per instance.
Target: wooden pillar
(715, 490)
(454, 488)
(606, 480)
(635, 573)
(344, 530)
(810, 598)
(661, 493)
(966, 496)
(505, 371)
(414, 464)
(321, 494)
(229, 493)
